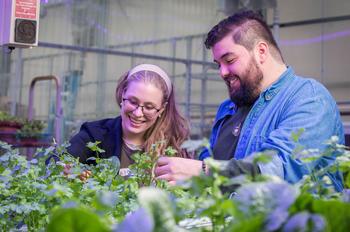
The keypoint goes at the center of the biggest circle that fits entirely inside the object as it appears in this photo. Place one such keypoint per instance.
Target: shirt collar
(273, 89)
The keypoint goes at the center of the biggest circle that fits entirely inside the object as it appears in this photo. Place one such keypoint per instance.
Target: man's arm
(313, 109)
(173, 169)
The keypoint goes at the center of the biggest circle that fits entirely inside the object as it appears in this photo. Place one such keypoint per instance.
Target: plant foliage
(55, 192)
(31, 129)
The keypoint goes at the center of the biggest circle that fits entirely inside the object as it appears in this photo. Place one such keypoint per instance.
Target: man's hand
(173, 169)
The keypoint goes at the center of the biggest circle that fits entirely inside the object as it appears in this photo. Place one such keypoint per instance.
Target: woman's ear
(161, 111)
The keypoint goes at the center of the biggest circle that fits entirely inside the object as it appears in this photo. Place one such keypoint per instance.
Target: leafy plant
(43, 194)
(6, 118)
(144, 163)
(76, 219)
(31, 129)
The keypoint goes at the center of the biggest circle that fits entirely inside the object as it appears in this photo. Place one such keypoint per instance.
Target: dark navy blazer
(108, 131)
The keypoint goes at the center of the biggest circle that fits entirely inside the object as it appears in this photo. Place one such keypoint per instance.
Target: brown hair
(171, 128)
(247, 27)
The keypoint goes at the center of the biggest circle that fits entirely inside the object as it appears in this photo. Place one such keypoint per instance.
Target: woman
(148, 115)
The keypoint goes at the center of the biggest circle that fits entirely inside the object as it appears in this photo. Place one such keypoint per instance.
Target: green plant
(31, 129)
(7, 118)
(143, 168)
(35, 197)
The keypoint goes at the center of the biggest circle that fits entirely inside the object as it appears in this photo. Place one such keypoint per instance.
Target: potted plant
(9, 122)
(30, 133)
(9, 125)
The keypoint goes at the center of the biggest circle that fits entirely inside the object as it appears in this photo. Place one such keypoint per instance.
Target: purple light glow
(317, 39)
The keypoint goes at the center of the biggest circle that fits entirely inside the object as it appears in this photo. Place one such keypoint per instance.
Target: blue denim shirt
(291, 103)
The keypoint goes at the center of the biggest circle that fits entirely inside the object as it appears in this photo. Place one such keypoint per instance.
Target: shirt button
(268, 97)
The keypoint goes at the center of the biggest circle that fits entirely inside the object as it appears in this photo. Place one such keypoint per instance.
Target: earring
(159, 115)
(121, 103)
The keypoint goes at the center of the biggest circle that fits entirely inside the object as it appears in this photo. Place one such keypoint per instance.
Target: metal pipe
(156, 41)
(59, 113)
(343, 102)
(315, 21)
(188, 79)
(173, 64)
(286, 24)
(16, 83)
(203, 91)
(276, 26)
(120, 53)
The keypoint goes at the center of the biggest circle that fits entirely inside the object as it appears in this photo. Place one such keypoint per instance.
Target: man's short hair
(247, 27)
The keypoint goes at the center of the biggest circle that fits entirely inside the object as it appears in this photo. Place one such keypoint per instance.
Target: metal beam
(120, 53)
(315, 21)
(157, 41)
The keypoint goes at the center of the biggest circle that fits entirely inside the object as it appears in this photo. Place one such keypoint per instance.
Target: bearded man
(267, 103)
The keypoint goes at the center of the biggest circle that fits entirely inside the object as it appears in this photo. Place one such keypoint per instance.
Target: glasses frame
(142, 107)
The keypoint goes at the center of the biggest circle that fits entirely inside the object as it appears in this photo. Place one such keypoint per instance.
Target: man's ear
(261, 51)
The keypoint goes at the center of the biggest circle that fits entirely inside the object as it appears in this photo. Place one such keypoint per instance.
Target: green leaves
(31, 129)
(336, 213)
(158, 205)
(5, 117)
(34, 196)
(142, 169)
(30, 190)
(263, 157)
(76, 219)
(94, 147)
(296, 135)
(170, 152)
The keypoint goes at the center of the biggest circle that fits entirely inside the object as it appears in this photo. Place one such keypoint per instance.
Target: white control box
(19, 23)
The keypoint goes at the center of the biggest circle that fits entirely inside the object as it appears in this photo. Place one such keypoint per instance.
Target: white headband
(153, 68)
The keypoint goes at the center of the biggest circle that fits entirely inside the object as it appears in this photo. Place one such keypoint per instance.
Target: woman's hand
(173, 169)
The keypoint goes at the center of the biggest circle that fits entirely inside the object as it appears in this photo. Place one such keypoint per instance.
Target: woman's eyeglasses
(148, 110)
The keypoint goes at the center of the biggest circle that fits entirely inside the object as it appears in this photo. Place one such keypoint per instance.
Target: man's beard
(249, 89)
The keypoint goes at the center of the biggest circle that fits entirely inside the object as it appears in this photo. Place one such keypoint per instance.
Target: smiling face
(239, 70)
(140, 97)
